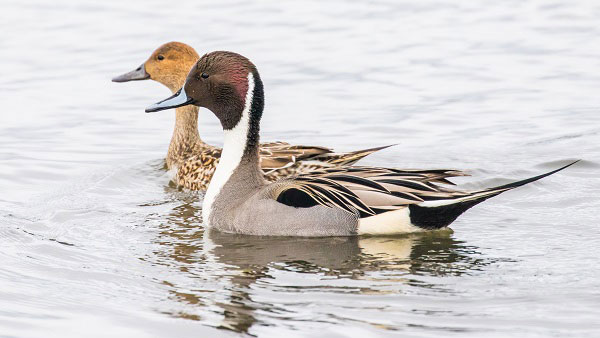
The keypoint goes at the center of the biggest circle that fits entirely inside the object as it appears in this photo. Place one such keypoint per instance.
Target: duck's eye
(203, 76)
(160, 57)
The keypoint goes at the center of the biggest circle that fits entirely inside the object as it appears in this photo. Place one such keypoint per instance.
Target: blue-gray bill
(135, 75)
(178, 99)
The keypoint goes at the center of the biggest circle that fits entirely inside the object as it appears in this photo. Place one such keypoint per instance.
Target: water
(94, 242)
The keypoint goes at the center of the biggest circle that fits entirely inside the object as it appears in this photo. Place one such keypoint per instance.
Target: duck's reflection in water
(216, 274)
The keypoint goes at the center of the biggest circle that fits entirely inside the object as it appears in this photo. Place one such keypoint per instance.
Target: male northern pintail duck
(341, 201)
(193, 160)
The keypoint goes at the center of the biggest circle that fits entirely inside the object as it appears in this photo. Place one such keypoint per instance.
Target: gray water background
(94, 242)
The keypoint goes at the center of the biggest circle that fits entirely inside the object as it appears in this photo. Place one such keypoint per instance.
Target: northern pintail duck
(195, 161)
(341, 201)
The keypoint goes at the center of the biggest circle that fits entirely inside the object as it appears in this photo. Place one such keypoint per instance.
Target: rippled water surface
(94, 242)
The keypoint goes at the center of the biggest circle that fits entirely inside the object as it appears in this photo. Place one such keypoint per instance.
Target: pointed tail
(435, 214)
(351, 157)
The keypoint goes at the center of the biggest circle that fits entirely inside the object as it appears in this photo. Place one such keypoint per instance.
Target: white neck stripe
(234, 146)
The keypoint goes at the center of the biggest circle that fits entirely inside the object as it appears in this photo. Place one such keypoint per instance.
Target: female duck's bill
(135, 75)
(178, 99)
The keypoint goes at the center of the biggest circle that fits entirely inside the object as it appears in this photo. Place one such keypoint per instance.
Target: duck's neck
(185, 135)
(238, 171)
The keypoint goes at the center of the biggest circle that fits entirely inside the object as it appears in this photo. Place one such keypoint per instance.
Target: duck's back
(195, 165)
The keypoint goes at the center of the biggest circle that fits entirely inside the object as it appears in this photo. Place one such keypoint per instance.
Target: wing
(280, 155)
(382, 174)
(367, 191)
(280, 159)
(277, 155)
(350, 158)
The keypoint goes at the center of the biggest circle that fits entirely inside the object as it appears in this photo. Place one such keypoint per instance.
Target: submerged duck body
(342, 201)
(192, 160)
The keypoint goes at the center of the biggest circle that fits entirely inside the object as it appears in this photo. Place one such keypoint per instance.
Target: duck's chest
(197, 172)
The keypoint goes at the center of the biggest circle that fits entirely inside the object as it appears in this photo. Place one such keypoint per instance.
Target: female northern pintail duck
(195, 161)
(331, 202)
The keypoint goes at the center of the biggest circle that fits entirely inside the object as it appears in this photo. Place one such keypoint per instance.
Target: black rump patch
(432, 218)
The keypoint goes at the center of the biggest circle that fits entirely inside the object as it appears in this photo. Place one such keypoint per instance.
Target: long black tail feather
(437, 214)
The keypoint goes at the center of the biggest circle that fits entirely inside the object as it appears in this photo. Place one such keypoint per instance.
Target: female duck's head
(226, 83)
(169, 64)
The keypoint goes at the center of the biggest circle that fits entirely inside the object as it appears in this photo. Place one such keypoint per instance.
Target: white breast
(233, 149)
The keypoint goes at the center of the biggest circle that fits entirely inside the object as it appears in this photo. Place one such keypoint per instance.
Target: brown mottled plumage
(195, 160)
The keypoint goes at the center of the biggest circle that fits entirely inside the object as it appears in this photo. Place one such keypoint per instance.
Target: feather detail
(196, 163)
(366, 190)
(372, 191)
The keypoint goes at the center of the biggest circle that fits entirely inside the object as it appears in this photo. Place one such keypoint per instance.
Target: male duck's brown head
(169, 65)
(226, 83)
